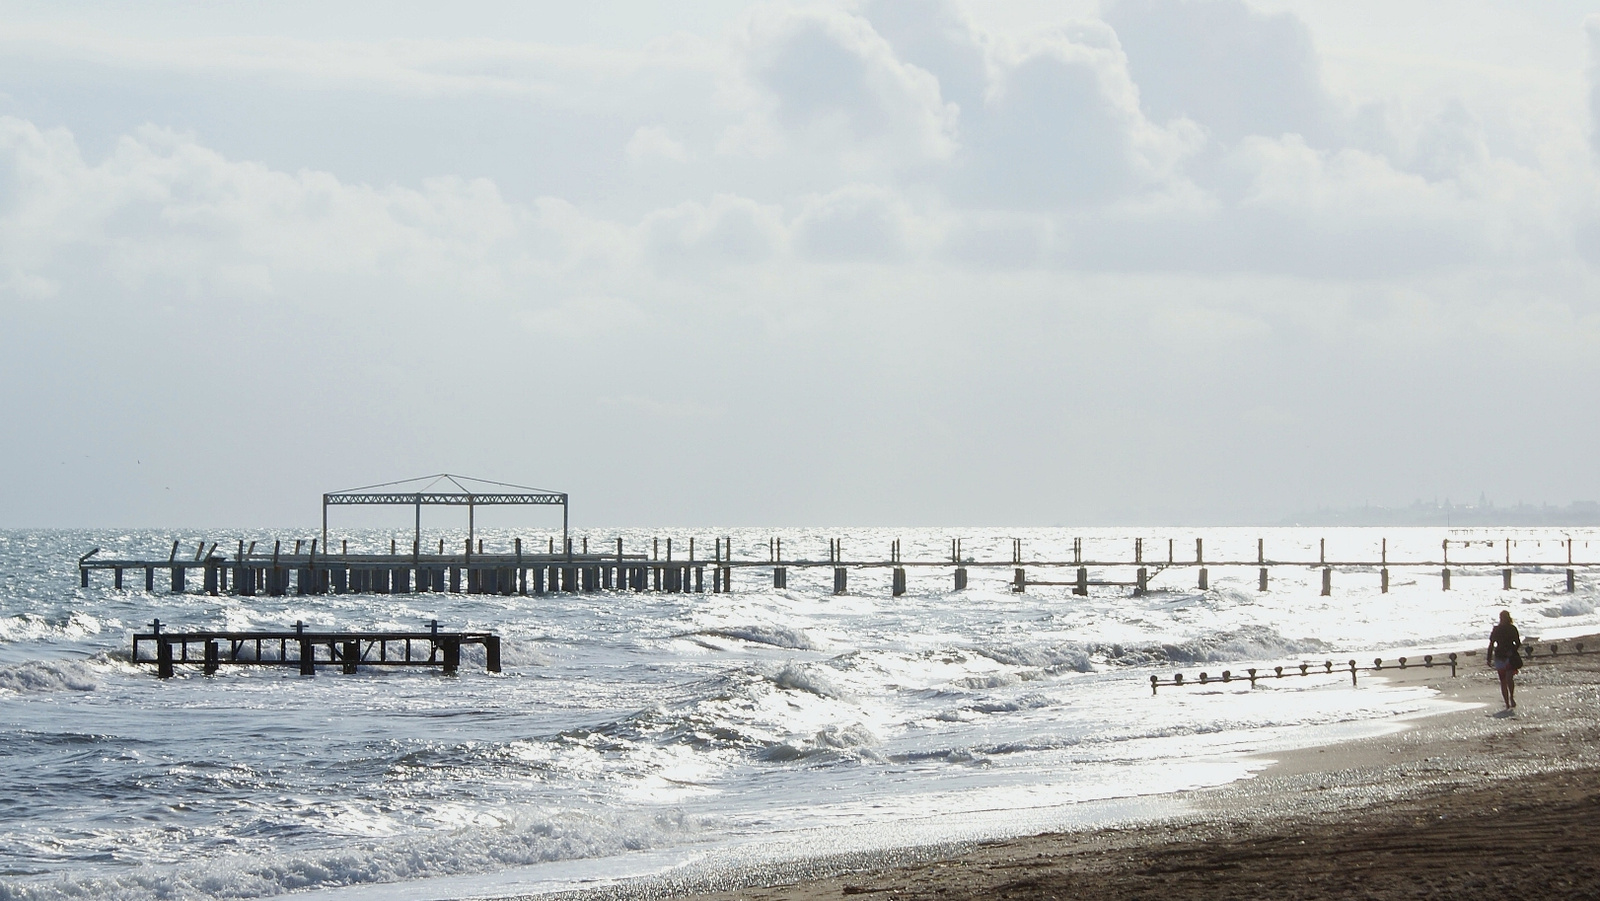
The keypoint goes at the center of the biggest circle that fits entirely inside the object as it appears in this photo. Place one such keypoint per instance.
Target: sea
(645, 736)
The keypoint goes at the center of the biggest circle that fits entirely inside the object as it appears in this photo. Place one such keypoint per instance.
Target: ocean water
(638, 734)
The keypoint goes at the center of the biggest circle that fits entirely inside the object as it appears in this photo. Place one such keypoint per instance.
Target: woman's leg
(1505, 686)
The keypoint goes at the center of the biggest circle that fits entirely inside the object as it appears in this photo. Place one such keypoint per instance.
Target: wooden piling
(780, 577)
(899, 581)
(841, 580)
(1385, 575)
(351, 654)
(163, 658)
(1019, 580)
(1572, 582)
(1205, 579)
(491, 653)
(1445, 576)
(1327, 581)
(1082, 588)
(961, 578)
(1142, 586)
(212, 658)
(1262, 584)
(1505, 579)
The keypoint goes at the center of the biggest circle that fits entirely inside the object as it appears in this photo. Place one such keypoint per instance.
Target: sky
(1182, 262)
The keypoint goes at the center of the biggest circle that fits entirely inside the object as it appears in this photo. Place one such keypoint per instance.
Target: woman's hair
(1505, 616)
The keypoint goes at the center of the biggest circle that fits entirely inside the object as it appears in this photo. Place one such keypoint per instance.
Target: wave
(48, 676)
(1054, 658)
(776, 636)
(515, 842)
(74, 626)
(1251, 643)
(1569, 607)
(850, 742)
(800, 677)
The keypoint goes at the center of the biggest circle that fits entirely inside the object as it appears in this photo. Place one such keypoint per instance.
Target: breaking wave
(47, 676)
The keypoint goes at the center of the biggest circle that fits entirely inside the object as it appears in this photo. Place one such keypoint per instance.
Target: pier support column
(163, 658)
(178, 579)
(841, 580)
(1082, 588)
(491, 653)
(1019, 580)
(455, 580)
(83, 577)
(308, 658)
(1572, 582)
(212, 576)
(699, 580)
(1385, 575)
(352, 655)
(1505, 579)
(1143, 584)
(1327, 581)
(780, 577)
(1445, 577)
(452, 655)
(1205, 579)
(961, 578)
(150, 578)
(116, 577)
(1262, 585)
(212, 658)
(899, 581)
(538, 581)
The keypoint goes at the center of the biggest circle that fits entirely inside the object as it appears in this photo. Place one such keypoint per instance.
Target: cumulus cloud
(834, 86)
(730, 229)
(1592, 26)
(1235, 71)
(651, 142)
(857, 222)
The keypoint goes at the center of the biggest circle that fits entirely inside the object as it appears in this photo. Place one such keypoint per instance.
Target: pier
(312, 566)
(304, 567)
(308, 649)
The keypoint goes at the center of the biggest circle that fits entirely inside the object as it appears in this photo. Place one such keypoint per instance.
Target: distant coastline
(1421, 513)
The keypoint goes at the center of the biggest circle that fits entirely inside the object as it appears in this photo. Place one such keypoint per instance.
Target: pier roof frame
(428, 496)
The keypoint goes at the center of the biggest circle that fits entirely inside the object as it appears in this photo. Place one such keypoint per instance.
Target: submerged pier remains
(307, 649)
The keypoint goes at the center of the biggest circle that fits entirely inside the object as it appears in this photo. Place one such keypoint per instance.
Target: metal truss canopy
(429, 495)
(428, 499)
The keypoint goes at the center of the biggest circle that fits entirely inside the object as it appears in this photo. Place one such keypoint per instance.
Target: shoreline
(1454, 801)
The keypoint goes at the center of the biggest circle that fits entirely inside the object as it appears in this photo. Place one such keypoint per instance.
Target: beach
(1473, 801)
(651, 744)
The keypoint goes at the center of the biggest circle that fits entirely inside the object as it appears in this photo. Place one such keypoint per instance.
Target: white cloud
(1235, 71)
(652, 142)
(857, 222)
(833, 86)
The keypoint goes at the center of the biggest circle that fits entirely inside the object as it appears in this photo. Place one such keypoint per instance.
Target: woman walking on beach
(1503, 644)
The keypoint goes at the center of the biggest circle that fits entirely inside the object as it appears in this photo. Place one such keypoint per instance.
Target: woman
(1503, 644)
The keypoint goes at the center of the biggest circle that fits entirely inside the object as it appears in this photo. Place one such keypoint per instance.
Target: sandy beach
(1474, 801)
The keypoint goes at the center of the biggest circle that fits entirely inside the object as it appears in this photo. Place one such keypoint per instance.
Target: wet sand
(1473, 801)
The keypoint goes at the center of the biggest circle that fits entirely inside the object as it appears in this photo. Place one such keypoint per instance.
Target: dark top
(1504, 639)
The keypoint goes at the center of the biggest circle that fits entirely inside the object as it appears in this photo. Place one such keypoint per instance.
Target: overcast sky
(876, 263)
